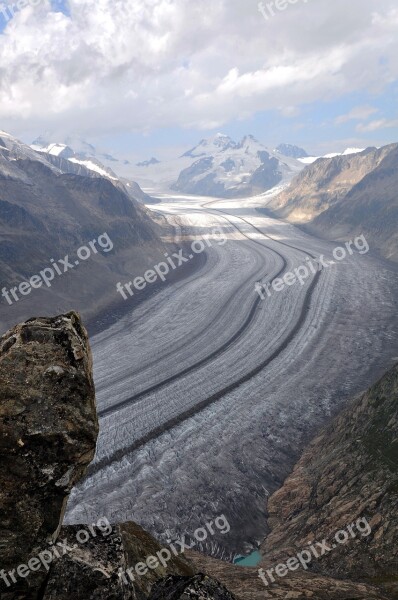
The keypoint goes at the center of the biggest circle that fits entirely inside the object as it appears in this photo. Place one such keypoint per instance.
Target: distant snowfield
(92, 167)
(248, 381)
(308, 160)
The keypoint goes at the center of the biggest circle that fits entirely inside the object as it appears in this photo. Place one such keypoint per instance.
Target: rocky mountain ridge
(338, 198)
(87, 164)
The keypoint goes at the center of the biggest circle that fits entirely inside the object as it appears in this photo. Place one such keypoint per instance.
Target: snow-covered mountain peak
(54, 149)
(291, 151)
(84, 155)
(251, 145)
(225, 168)
(210, 146)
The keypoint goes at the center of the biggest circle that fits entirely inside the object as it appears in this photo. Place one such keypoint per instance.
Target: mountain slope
(346, 195)
(350, 471)
(46, 214)
(370, 207)
(86, 163)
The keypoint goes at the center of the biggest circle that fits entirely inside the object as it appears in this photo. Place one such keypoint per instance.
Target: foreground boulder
(48, 432)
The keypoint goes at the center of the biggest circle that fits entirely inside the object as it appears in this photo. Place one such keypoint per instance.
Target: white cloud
(376, 125)
(358, 113)
(136, 65)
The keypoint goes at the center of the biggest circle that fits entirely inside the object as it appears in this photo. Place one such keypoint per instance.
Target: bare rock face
(48, 432)
(190, 588)
(345, 490)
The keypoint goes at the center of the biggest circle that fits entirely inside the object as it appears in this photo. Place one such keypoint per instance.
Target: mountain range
(225, 168)
(219, 166)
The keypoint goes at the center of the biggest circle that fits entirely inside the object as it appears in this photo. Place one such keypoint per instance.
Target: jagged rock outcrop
(48, 432)
(190, 588)
(99, 568)
(346, 478)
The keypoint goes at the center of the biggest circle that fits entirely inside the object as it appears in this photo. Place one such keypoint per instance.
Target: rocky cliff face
(103, 567)
(323, 183)
(48, 432)
(370, 207)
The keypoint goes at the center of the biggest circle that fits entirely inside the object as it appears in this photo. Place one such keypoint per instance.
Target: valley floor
(207, 394)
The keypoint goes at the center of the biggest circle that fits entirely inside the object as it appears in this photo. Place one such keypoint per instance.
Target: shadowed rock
(186, 588)
(48, 431)
(104, 566)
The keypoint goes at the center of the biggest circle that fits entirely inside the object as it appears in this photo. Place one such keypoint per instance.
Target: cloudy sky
(139, 76)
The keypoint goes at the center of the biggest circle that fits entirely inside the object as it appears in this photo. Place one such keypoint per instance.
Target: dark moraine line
(223, 348)
(192, 339)
(175, 421)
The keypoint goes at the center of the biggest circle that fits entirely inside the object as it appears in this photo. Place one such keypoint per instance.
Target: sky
(142, 78)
